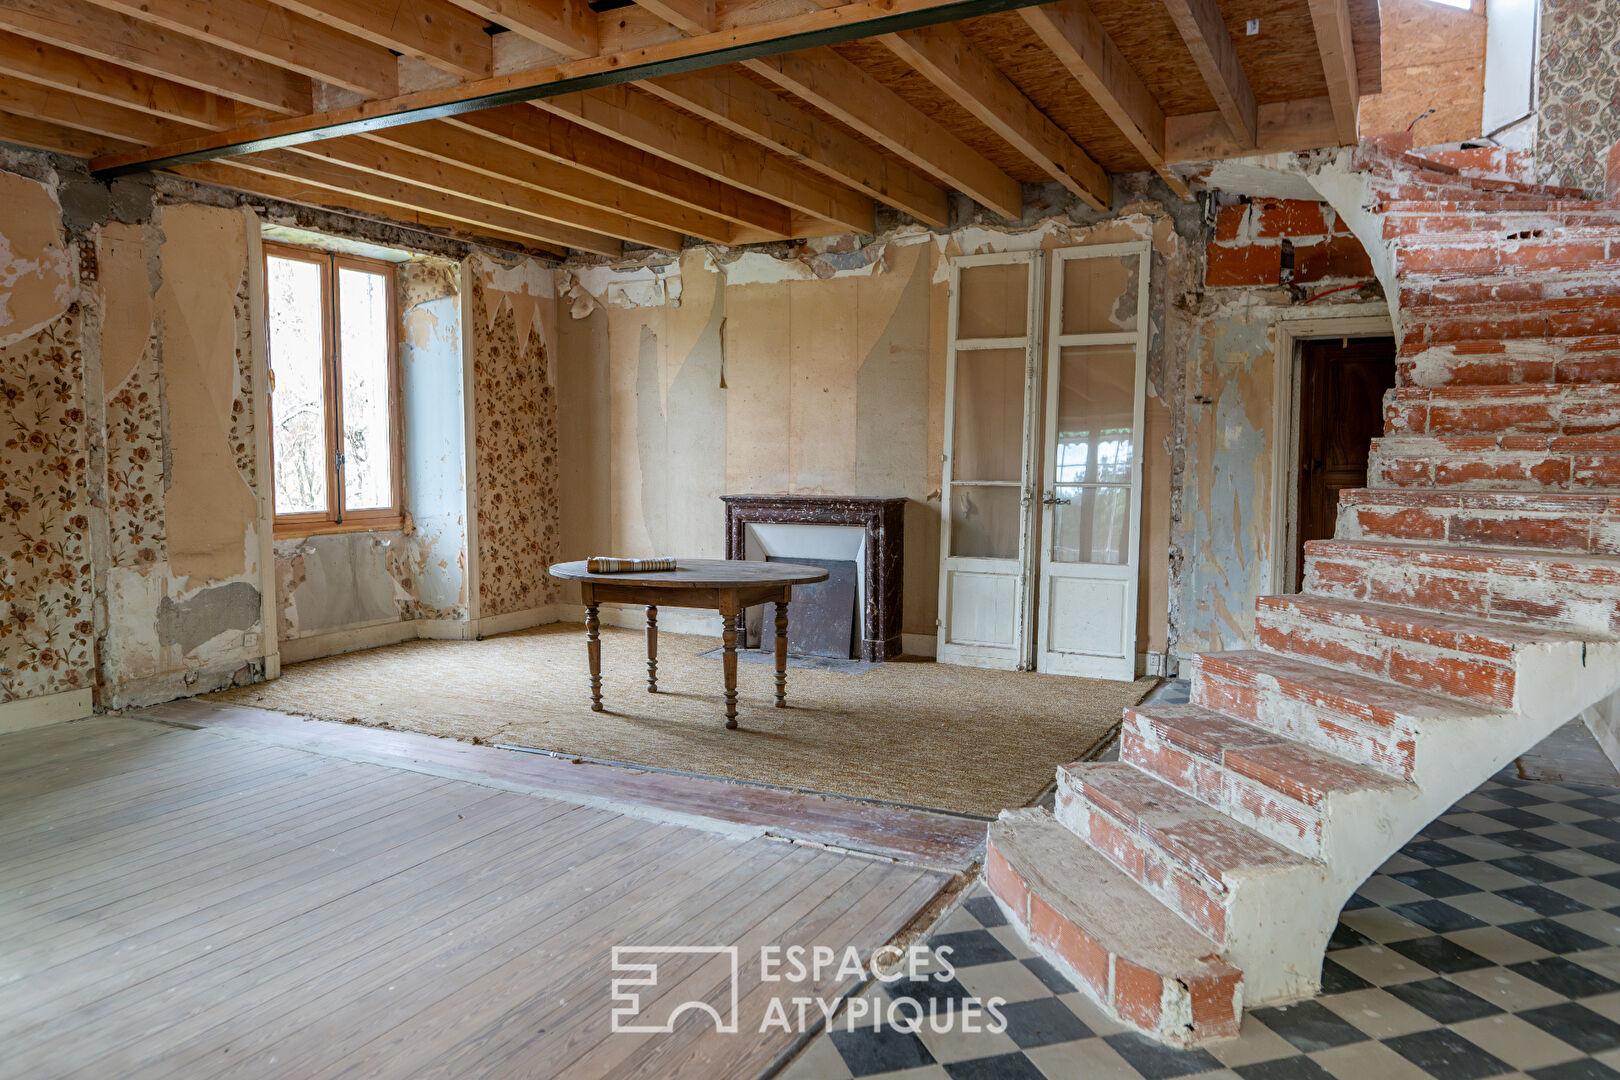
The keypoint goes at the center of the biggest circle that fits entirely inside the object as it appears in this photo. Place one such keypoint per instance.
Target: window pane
(987, 433)
(298, 403)
(1096, 401)
(1093, 526)
(1099, 294)
(984, 521)
(368, 479)
(994, 301)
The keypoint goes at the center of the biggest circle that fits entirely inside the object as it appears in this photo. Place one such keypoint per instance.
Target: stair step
(1534, 408)
(1496, 462)
(1369, 721)
(1498, 223)
(1548, 521)
(1466, 658)
(1504, 288)
(1266, 781)
(1187, 854)
(1131, 954)
(1529, 204)
(1566, 250)
(1586, 359)
(1563, 317)
(1578, 594)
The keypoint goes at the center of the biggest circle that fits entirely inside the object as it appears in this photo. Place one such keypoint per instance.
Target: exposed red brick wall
(1247, 247)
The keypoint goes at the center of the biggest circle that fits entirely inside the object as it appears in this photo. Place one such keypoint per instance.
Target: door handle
(1053, 500)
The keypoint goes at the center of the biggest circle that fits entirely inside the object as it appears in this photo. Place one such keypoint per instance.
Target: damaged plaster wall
(819, 370)
(511, 330)
(46, 585)
(348, 581)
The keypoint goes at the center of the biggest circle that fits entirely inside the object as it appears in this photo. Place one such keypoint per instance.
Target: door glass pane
(1093, 526)
(1099, 295)
(987, 433)
(298, 403)
(1096, 403)
(368, 481)
(993, 301)
(984, 521)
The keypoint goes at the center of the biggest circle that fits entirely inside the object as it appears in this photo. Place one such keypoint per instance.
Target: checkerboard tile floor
(1489, 946)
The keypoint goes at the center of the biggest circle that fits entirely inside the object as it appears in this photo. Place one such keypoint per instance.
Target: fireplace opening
(821, 616)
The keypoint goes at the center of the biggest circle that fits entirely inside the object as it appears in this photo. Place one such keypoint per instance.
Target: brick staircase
(1468, 606)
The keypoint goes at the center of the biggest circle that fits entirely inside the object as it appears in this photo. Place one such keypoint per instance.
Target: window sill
(296, 529)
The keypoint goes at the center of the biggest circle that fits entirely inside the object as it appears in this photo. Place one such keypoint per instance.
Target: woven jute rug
(914, 732)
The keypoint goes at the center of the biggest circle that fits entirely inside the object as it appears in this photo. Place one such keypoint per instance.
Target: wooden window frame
(334, 519)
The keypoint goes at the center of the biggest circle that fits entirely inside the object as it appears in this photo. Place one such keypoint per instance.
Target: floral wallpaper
(135, 474)
(1579, 79)
(515, 441)
(46, 626)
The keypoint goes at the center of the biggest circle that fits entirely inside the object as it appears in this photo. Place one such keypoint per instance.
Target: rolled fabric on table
(607, 564)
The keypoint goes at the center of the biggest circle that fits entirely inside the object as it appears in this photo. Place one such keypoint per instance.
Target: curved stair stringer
(1206, 870)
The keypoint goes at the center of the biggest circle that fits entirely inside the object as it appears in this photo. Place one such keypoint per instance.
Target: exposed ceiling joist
(264, 31)
(436, 32)
(1331, 19)
(386, 189)
(557, 139)
(1078, 40)
(85, 114)
(863, 18)
(567, 26)
(843, 90)
(43, 135)
(725, 98)
(118, 39)
(688, 16)
(654, 127)
(955, 65)
(419, 170)
(1306, 124)
(1204, 32)
(292, 190)
(74, 73)
(573, 190)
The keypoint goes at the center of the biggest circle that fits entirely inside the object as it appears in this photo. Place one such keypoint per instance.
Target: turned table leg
(652, 649)
(593, 649)
(728, 617)
(781, 653)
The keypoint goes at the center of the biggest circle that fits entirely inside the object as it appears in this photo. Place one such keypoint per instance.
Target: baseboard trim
(51, 709)
(516, 620)
(336, 642)
(694, 621)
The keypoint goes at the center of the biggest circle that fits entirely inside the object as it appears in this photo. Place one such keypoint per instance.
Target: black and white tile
(1488, 947)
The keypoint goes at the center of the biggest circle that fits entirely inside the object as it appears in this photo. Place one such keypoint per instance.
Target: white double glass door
(1044, 399)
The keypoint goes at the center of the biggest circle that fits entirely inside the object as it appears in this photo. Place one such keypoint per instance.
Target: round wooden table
(730, 586)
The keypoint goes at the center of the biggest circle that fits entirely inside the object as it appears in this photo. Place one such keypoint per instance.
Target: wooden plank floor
(187, 902)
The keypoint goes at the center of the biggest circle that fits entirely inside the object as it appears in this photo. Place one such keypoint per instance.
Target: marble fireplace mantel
(883, 521)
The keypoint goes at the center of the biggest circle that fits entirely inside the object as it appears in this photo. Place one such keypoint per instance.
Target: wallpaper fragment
(1579, 90)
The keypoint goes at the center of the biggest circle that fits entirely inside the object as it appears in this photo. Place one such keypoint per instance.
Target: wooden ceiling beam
(946, 58)
(1331, 20)
(650, 125)
(1203, 29)
(421, 171)
(535, 133)
(688, 16)
(847, 93)
(567, 26)
(434, 31)
(1283, 126)
(1074, 35)
(43, 135)
(289, 189)
(503, 164)
(770, 37)
(728, 99)
(85, 114)
(118, 39)
(74, 73)
(286, 39)
(395, 192)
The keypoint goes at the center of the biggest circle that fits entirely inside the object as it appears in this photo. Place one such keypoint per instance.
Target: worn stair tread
(1483, 637)
(1552, 502)
(1374, 701)
(1085, 889)
(1600, 391)
(1407, 445)
(1604, 569)
(1301, 772)
(1192, 833)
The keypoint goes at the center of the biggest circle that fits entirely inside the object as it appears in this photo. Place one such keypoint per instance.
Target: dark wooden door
(1341, 410)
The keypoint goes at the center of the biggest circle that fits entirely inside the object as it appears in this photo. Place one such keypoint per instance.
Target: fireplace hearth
(866, 530)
